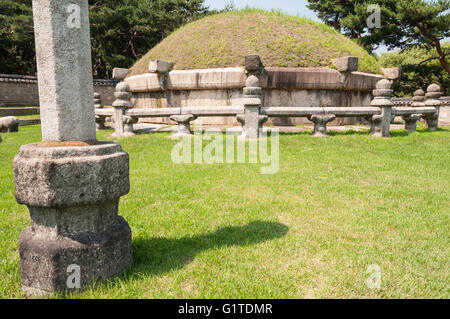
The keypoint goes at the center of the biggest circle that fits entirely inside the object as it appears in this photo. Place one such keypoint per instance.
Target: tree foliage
(121, 31)
(16, 37)
(420, 68)
(404, 23)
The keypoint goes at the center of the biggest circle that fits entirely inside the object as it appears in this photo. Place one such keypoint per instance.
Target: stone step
(26, 122)
(18, 111)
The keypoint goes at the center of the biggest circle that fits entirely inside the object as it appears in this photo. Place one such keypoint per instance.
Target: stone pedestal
(320, 124)
(411, 122)
(72, 193)
(184, 124)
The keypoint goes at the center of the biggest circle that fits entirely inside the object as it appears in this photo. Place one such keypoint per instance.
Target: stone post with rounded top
(411, 119)
(99, 119)
(70, 182)
(382, 99)
(433, 95)
(252, 120)
(123, 124)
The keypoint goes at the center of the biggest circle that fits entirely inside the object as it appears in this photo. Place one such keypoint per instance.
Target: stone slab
(346, 64)
(120, 73)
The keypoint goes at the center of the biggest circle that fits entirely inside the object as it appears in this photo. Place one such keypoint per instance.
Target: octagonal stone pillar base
(72, 193)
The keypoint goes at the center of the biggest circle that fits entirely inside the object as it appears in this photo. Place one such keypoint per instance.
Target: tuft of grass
(223, 40)
(336, 206)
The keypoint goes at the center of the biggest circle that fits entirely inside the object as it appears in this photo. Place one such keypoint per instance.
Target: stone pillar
(320, 124)
(382, 99)
(411, 119)
(251, 119)
(99, 119)
(433, 95)
(184, 124)
(70, 183)
(121, 104)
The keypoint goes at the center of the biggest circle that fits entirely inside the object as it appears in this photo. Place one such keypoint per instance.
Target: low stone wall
(307, 87)
(20, 90)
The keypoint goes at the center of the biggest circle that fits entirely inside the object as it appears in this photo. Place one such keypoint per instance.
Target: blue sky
(294, 7)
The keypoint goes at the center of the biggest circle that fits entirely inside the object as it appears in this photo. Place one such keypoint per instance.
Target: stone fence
(223, 87)
(444, 113)
(22, 90)
(252, 114)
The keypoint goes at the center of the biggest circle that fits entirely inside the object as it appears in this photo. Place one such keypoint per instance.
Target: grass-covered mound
(281, 40)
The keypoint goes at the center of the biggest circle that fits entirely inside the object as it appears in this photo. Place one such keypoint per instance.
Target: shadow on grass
(160, 255)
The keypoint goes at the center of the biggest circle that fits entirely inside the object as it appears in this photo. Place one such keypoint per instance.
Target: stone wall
(281, 86)
(20, 90)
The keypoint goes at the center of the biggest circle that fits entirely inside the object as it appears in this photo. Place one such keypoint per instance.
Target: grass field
(336, 206)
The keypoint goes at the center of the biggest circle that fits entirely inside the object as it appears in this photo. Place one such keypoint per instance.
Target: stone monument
(70, 182)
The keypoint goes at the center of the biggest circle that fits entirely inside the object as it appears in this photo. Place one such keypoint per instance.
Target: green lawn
(336, 206)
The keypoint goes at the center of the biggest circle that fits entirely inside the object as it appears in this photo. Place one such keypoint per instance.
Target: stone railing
(251, 114)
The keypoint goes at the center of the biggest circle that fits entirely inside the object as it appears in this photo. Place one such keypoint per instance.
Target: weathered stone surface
(158, 66)
(346, 64)
(433, 95)
(411, 122)
(70, 182)
(383, 99)
(99, 119)
(44, 259)
(253, 63)
(70, 176)
(120, 74)
(320, 124)
(392, 73)
(9, 124)
(63, 52)
(122, 125)
(184, 126)
(72, 194)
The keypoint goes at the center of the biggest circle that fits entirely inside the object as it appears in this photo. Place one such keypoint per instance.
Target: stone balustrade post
(433, 95)
(122, 103)
(380, 124)
(70, 182)
(252, 120)
(99, 119)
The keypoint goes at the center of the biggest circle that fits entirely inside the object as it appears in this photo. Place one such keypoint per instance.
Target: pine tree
(121, 31)
(404, 23)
